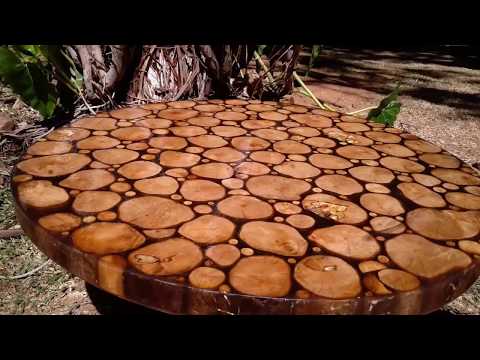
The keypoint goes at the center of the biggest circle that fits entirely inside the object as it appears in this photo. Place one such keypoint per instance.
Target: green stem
(361, 110)
(302, 84)
(262, 64)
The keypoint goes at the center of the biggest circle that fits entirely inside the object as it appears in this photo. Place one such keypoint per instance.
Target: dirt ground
(440, 96)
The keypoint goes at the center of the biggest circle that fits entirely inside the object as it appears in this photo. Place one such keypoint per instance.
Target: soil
(440, 103)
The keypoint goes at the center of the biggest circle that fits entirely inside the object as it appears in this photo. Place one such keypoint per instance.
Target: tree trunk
(118, 73)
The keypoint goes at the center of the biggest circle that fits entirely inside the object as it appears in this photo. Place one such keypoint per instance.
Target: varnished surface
(240, 207)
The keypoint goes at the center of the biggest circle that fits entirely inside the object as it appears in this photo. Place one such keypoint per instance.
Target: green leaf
(387, 110)
(14, 72)
(29, 80)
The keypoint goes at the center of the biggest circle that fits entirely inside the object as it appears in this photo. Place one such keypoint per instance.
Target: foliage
(314, 55)
(41, 75)
(387, 111)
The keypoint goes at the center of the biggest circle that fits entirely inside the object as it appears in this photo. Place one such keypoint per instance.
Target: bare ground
(440, 102)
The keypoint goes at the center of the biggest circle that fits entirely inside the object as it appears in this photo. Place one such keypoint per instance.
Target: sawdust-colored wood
(291, 147)
(228, 131)
(300, 221)
(421, 146)
(261, 276)
(328, 276)
(421, 195)
(115, 156)
(174, 159)
(316, 121)
(471, 247)
(267, 157)
(333, 208)
(133, 133)
(151, 212)
(223, 255)
(236, 199)
(111, 273)
(154, 123)
(304, 131)
(202, 190)
(103, 238)
(54, 165)
(373, 174)
(170, 257)
(139, 169)
(426, 180)
(249, 143)
(464, 201)
(49, 148)
(177, 114)
(208, 141)
(97, 142)
(370, 265)
(424, 258)
(339, 184)
(209, 108)
(444, 225)
(231, 116)
(168, 142)
(181, 104)
(325, 161)
(357, 152)
(68, 134)
(272, 115)
(279, 239)
(159, 234)
(208, 229)
(95, 123)
(387, 225)
(320, 142)
(92, 202)
(270, 134)
(257, 124)
(205, 121)
(297, 169)
(402, 165)
(162, 185)
(245, 207)
(394, 150)
(277, 187)
(456, 177)
(441, 160)
(224, 154)
(213, 170)
(252, 168)
(188, 131)
(287, 208)
(382, 204)
(398, 279)
(206, 277)
(129, 113)
(347, 241)
(371, 282)
(92, 179)
(60, 222)
(383, 137)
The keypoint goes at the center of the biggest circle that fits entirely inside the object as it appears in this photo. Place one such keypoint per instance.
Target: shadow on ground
(378, 70)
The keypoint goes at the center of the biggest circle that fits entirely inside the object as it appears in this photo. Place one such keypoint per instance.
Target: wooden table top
(249, 207)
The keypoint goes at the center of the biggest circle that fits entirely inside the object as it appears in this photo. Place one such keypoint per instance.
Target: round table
(251, 207)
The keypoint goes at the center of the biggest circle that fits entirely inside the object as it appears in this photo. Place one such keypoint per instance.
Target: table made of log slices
(249, 207)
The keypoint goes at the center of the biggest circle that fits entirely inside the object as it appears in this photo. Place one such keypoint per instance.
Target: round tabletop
(251, 207)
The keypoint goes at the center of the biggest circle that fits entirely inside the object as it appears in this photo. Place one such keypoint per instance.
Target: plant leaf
(387, 110)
